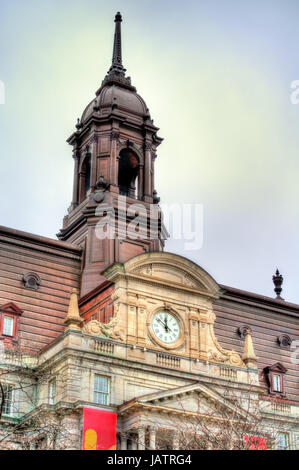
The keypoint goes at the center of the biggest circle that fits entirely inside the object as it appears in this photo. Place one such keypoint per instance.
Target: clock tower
(114, 150)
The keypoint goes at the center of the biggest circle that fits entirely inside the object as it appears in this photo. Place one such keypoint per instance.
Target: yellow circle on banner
(90, 441)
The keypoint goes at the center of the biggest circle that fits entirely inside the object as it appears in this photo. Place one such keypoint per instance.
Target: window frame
(100, 392)
(7, 409)
(277, 370)
(52, 397)
(12, 311)
(287, 440)
(13, 329)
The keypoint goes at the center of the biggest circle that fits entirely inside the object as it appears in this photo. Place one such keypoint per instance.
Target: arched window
(128, 169)
(84, 176)
(87, 174)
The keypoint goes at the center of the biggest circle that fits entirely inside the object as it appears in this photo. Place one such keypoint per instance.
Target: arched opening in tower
(84, 175)
(128, 170)
(87, 174)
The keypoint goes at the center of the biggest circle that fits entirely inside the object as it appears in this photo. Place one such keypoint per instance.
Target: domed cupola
(116, 94)
(114, 150)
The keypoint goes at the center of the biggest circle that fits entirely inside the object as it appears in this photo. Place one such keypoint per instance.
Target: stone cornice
(78, 352)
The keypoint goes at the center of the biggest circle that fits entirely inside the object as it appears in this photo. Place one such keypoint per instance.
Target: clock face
(166, 327)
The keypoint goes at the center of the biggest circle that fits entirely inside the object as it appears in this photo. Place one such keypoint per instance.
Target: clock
(166, 327)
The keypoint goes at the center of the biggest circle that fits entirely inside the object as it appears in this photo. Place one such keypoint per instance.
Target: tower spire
(117, 52)
(117, 72)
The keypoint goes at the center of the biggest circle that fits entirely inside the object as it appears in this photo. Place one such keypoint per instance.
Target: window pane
(101, 390)
(101, 384)
(101, 398)
(276, 383)
(282, 441)
(52, 391)
(8, 326)
(8, 393)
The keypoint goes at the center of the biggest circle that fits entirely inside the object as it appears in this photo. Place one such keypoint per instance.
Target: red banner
(255, 442)
(99, 429)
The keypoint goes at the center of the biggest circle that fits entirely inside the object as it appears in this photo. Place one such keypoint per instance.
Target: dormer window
(275, 378)
(9, 321)
(8, 326)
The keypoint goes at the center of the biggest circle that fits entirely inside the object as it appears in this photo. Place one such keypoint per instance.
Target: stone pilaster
(194, 333)
(132, 320)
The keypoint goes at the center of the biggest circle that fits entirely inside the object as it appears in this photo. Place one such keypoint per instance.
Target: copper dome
(112, 97)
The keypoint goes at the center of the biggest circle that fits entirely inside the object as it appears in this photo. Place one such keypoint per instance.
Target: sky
(216, 76)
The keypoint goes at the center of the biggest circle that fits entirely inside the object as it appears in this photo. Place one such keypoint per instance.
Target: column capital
(76, 154)
(153, 427)
(114, 135)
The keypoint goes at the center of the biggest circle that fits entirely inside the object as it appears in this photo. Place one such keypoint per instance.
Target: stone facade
(85, 310)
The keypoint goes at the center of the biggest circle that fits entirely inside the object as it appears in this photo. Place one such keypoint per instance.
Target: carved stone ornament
(98, 196)
(101, 183)
(108, 330)
(284, 341)
(114, 135)
(32, 281)
(242, 330)
(218, 354)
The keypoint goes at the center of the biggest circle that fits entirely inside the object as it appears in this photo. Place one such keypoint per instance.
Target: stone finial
(78, 124)
(73, 319)
(278, 281)
(249, 357)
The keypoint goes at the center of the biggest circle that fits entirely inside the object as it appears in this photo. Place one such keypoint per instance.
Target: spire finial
(278, 281)
(117, 72)
(117, 53)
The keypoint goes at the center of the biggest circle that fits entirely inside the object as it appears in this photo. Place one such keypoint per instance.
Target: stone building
(104, 318)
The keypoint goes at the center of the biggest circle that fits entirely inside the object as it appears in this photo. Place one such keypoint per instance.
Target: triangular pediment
(193, 399)
(11, 308)
(277, 367)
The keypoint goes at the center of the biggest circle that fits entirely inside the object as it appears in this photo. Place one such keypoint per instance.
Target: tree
(33, 426)
(234, 421)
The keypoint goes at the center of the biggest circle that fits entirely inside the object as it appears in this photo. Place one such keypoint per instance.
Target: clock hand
(166, 324)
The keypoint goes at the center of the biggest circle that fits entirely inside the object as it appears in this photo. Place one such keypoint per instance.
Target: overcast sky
(216, 76)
